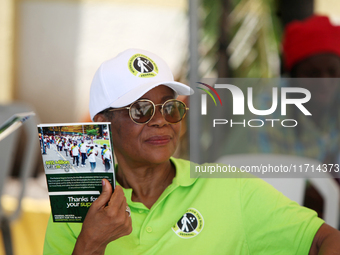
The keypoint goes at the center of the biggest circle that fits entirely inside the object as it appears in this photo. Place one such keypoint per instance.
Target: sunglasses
(142, 111)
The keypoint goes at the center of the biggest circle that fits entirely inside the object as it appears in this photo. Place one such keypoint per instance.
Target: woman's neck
(147, 182)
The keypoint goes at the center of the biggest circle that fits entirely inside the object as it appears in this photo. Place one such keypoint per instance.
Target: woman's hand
(106, 221)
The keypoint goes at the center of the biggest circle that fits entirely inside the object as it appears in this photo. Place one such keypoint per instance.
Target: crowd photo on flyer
(82, 151)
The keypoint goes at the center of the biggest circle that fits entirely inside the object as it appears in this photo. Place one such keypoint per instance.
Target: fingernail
(103, 182)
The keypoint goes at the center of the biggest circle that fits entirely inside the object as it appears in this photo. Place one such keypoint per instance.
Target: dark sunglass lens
(141, 111)
(174, 111)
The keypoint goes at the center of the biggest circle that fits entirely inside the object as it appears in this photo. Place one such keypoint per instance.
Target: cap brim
(133, 95)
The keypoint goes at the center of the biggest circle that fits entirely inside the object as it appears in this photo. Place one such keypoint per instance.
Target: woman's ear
(100, 118)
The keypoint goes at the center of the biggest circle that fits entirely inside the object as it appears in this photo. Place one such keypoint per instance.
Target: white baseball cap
(122, 80)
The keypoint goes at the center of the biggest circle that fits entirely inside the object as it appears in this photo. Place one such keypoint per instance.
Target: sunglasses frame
(154, 112)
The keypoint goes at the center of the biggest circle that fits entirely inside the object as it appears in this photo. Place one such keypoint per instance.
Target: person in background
(82, 147)
(60, 144)
(91, 154)
(311, 49)
(66, 146)
(311, 53)
(75, 154)
(106, 157)
(48, 142)
(69, 145)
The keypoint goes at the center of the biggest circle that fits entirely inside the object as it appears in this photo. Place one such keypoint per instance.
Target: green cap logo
(142, 66)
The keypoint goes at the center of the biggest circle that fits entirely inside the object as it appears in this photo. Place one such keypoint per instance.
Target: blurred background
(50, 50)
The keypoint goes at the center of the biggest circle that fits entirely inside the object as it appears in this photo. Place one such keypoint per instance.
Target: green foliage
(251, 35)
(92, 132)
(212, 11)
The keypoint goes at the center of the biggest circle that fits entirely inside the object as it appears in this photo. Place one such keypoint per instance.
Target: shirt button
(140, 211)
(149, 229)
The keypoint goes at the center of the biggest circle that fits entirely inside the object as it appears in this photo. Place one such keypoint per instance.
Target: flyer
(76, 157)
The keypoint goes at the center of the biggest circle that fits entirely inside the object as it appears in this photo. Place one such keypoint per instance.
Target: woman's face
(151, 143)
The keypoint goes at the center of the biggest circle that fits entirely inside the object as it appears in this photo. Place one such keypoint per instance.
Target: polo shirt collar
(182, 177)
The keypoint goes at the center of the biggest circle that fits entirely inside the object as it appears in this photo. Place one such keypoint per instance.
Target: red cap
(314, 35)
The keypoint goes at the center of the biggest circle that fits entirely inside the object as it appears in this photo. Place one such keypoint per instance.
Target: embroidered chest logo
(142, 66)
(190, 224)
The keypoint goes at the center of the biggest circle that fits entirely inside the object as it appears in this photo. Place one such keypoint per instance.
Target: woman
(156, 207)
(91, 154)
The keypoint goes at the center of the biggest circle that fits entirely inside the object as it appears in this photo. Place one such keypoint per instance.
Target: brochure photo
(76, 157)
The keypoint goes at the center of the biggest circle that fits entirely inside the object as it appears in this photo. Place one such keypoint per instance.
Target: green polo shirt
(206, 216)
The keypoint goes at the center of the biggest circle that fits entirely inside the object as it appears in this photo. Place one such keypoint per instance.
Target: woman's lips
(158, 140)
